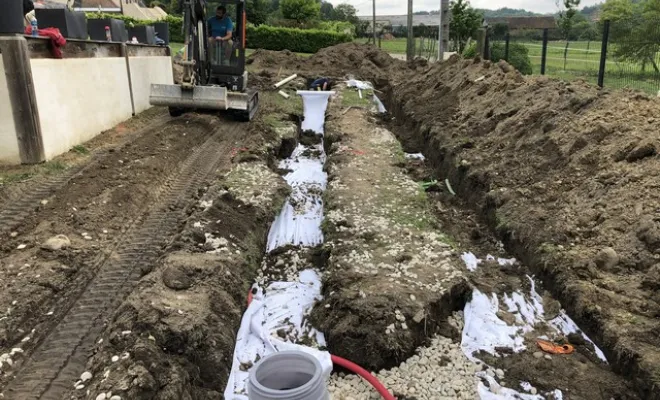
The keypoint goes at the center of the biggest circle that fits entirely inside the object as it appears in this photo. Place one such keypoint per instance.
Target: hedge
(293, 39)
(518, 55)
(175, 23)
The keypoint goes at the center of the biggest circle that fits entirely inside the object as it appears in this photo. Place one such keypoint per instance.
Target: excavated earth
(125, 275)
(566, 175)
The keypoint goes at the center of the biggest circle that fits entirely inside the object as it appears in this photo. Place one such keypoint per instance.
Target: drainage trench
(493, 347)
(289, 283)
(512, 325)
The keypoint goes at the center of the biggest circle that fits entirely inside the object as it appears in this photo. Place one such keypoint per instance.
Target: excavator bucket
(197, 97)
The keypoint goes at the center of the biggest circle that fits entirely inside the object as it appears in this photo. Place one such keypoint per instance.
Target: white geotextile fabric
(315, 105)
(285, 305)
(484, 330)
(301, 225)
(282, 305)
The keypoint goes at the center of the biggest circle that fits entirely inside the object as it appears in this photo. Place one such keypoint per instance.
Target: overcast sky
(398, 7)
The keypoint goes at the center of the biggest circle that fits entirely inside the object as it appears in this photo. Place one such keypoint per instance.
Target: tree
(465, 21)
(257, 11)
(567, 16)
(346, 12)
(300, 10)
(327, 11)
(634, 30)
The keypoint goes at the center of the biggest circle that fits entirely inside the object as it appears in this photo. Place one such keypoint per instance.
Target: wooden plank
(16, 60)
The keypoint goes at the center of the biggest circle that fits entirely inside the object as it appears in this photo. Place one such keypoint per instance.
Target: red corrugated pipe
(351, 366)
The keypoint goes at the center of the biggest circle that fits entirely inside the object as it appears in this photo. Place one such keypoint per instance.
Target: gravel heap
(438, 372)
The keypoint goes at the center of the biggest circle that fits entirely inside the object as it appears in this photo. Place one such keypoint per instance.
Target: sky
(400, 7)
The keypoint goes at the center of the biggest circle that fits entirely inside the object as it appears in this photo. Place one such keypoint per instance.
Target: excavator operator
(220, 28)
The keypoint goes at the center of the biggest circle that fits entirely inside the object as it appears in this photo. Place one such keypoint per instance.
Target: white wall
(144, 72)
(78, 98)
(8, 142)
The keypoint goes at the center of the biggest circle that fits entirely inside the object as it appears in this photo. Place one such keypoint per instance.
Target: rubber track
(20, 203)
(59, 360)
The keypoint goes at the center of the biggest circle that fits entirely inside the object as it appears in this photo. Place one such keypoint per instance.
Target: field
(581, 60)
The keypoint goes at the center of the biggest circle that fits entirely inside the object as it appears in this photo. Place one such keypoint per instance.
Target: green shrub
(296, 40)
(518, 56)
(470, 51)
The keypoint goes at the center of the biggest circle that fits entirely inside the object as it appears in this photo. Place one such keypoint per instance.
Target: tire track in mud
(16, 204)
(61, 356)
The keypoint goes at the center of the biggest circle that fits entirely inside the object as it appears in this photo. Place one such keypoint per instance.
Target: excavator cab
(214, 76)
(227, 58)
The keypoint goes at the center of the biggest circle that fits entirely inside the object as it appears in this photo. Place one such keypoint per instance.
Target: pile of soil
(567, 175)
(359, 60)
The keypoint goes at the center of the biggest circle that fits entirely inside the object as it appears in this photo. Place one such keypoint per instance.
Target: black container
(72, 24)
(96, 29)
(144, 34)
(11, 17)
(163, 31)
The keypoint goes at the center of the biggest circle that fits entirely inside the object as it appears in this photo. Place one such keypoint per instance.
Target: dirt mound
(360, 60)
(567, 174)
(262, 59)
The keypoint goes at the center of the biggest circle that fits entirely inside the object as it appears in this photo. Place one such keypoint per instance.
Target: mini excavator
(214, 75)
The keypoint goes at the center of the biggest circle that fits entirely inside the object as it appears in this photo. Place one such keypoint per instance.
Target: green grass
(395, 46)
(582, 61)
(27, 172)
(351, 98)
(80, 149)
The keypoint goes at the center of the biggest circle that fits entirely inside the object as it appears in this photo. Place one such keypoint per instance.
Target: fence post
(506, 47)
(544, 51)
(603, 53)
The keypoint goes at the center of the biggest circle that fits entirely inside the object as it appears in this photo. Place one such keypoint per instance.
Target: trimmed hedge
(293, 39)
(175, 23)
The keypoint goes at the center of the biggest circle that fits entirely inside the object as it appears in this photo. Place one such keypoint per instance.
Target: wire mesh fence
(626, 54)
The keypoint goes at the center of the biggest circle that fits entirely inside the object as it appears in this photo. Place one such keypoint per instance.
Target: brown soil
(565, 174)
(360, 60)
(114, 190)
(102, 202)
(573, 374)
(391, 282)
(182, 320)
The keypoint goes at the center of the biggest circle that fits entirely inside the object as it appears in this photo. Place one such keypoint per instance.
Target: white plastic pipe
(283, 94)
(286, 80)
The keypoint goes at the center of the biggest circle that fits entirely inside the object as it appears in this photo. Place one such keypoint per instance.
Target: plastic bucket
(290, 375)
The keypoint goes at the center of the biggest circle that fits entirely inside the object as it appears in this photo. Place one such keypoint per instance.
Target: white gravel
(438, 372)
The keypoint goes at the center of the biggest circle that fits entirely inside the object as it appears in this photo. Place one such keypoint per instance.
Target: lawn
(581, 60)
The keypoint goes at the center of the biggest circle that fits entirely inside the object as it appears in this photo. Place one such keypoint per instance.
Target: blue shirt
(220, 27)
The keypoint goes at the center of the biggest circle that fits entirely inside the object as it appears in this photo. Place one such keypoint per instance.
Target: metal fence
(625, 54)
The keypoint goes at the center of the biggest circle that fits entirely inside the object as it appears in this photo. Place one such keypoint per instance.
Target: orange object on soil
(554, 348)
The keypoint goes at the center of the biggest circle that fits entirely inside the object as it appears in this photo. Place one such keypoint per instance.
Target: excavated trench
(461, 194)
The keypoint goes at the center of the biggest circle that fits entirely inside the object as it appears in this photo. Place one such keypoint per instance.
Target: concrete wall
(79, 98)
(144, 72)
(9, 153)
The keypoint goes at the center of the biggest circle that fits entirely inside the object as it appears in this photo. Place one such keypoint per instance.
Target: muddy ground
(566, 175)
(107, 194)
(561, 175)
